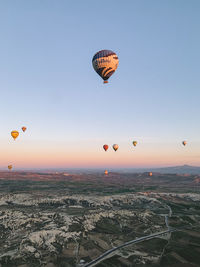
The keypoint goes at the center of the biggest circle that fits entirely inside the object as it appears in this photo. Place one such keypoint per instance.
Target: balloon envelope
(150, 173)
(106, 172)
(10, 167)
(184, 143)
(14, 134)
(24, 128)
(105, 63)
(105, 147)
(135, 143)
(115, 147)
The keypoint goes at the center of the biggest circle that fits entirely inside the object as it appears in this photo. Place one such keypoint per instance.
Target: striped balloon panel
(105, 63)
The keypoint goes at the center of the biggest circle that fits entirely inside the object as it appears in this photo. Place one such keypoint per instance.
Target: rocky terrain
(51, 225)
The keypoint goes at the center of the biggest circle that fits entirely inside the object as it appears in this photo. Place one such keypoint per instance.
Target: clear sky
(48, 84)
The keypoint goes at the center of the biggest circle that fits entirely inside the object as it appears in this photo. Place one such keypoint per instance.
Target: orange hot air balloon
(10, 167)
(105, 147)
(150, 173)
(106, 172)
(24, 128)
(115, 147)
(14, 134)
(135, 143)
(184, 143)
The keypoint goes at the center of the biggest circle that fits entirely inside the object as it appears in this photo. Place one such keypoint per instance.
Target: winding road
(140, 239)
(137, 240)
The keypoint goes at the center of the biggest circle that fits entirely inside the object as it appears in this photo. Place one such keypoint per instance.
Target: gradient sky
(48, 84)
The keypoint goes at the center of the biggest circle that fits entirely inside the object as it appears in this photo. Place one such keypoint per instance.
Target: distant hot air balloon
(14, 134)
(105, 147)
(135, 143)
(10, 167)
(105, 63)
(150, 173)
(115, 147)
(106, 172)
(184, 143)
(24, 128)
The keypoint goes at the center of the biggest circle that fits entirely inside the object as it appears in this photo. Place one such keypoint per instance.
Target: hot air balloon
(135, 143)
(14, 134)
(105, 63)
(115, 147)
(184, 143)
(105, 147)
(23, 128)
(10, 167)
(106, 172)
(150, 173)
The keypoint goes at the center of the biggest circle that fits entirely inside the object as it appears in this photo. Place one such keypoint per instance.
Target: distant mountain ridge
(181, 169)
(184, 169)
(174, 169)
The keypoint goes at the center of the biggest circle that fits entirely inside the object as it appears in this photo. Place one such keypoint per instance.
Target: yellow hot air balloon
(14, 134)
(184, 143)
(10, 167)
(115, 147)
(135, 143)
(106, 172)
(24, 128)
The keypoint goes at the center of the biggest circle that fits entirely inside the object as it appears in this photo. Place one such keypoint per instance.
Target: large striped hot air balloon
(105, 63)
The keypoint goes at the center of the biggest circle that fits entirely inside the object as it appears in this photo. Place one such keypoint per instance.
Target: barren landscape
(62, 219)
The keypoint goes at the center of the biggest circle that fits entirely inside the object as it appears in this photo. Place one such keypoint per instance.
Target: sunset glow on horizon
(30, 154)
(48, 84)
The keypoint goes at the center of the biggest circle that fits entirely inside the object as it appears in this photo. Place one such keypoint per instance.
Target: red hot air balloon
(105, 147)
(23, 128)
